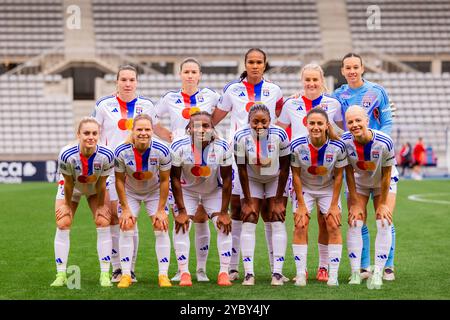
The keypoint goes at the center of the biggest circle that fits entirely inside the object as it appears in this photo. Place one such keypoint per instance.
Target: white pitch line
(422, 198)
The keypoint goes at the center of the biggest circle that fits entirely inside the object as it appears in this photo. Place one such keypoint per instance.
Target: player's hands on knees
(62, 211)
(334, 213)
(383, 212)
(301, 217)
(161, 220)
(279, 210)
(248, 209)
(224, 221)
(182, 221)
(126, 220)
(355, 213)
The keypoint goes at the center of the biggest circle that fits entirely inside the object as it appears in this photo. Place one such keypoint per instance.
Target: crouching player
(371, 172)
(201, 172)
(142, 175)
(318, 162)
(85, 167)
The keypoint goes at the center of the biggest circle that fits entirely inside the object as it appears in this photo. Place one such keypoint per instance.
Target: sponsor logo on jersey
(97, 166)
(305, 158)
(329, 157)
(178, 101)
(300, 108)
(242, 94)
(266, 92)
(115, 110)
(375, 154)
(130, 163)
(353, 154)
(77, 167)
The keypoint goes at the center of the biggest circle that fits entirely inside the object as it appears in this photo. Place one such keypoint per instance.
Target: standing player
(262, 156)
(201, 171)
(318, 162)
(115, 114)
(142, 175)
(238, 97)
(293, 115)
(374, 99)
(180, 105)
(85, 167)
(371, 173)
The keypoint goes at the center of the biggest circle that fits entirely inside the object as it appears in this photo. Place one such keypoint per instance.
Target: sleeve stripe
(104, 98)
(120, 148)
(179, 145)
(338, 144)
(68, 151)
(277, 130)
(241, 133)
(298, 142)
(182, 141)
(386, 143)
(229, 84)
(67, 155)
(223, 144)
(107, 153)
(163, 150)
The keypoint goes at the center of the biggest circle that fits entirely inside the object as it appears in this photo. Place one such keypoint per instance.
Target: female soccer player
(262, 156)
(180, 105)
(201, 171)
(115, 114)
(372, 172)
(238, 97)
(85, 167)
(374, 99)
(318, 162)
(293, 115)
(142, 176)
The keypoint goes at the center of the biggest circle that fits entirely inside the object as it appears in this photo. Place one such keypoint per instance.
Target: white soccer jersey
(116, 117)
(239, 96)
(294, 112)
(142, 170)
(200, 170)
(317, 165)
(180, 106)
(85, 171)
(262, 154)
(368, 159)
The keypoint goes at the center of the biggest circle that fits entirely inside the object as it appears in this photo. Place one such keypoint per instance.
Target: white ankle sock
(224, 247)
(279, 241)
(62, 246)
(104, 248)
(115, 258)
(236, 229)
(248, 246)
(162, 248)
(126, 248)
(182, 246)
(354, 245)
(383, 242)
(300, 254)
(202, 241)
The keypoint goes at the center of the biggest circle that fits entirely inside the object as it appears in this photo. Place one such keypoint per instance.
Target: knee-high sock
(365, 255)
(279, 240)
(323, 255)
(354, 245)
(236, 229)
(115, 258)
(202, 239)
(248, 246)
(182, 246)
(126, 248)
(335, 253)
(390, 261)
(62, 246)
(383, 243)
(162, 248)
(224, 247)
(269, 233)
(135, 246)
(104, 248)
(300, 255)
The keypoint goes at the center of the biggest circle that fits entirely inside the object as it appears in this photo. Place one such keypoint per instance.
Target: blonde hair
(141, 116)
(87, 120)
(315, 67)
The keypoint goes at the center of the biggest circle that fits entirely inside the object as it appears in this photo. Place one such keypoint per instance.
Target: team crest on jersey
(324, 106)
(271, 147)
(329, 157)
(153, 161)
(266, 92)
(138, 110)
(200, 98)
(375, 154)
(366, 104)
(212, 158)
(97, 165)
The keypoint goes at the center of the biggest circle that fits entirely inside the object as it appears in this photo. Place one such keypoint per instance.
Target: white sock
(224, 247)
(104, 248)
(300, 253)
(182, 244)
(115, 258)
(248, 238)
(202, 238)
(135, 247)
(62, 246)
(383, 242)
(279, 240)
(323, 255)
(126, 248)
(354, 245)
(236, 229)
(162, 248)
(268, 232)
(335, 253)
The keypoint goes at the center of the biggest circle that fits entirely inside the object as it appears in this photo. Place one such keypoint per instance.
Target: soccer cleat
(322, 274)
(105, 280)
(201, 276)
(61, 280)
(185, 280)
(300, 280)
(388, 274)
(365, 273)
(249, 280)
(285, 279)
(223, 280)
(176, 277)
(125, 281)
(277, 279)
(163, 281)
(375, 281)
(355, 278)
(233, 275)
(116, 275)
(133, 277)
(306, 275)
(333, 281)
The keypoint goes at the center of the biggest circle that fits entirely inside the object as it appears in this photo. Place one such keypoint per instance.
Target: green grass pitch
(27, 258)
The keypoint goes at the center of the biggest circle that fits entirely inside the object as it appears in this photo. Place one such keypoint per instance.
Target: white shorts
(76, 195)
(111, 187)
(323, 199)
(151, 201)
(264, 190)
(377, 191)
(235, 182)
(212, 202)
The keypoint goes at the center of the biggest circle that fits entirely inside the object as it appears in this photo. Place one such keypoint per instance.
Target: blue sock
(390, 260)
(365, 255)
